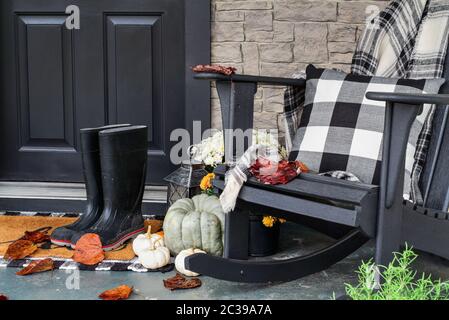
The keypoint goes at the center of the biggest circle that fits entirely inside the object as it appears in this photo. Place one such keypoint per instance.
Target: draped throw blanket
(408, 39)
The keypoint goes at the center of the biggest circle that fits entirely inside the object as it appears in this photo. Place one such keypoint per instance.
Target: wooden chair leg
(388, 239)
(236, 241)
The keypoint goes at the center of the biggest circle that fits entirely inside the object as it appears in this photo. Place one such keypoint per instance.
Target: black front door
(126, 64)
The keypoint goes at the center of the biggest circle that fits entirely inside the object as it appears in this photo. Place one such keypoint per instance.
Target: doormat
(13, 225)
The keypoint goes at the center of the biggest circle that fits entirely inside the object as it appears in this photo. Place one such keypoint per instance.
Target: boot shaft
(123, 154)
(90, 157)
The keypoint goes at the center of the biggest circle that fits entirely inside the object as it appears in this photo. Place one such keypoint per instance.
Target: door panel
(126, 64)
(133, 74)
(45, 90)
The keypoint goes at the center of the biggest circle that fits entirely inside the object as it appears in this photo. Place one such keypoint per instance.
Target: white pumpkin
(180, 261)
(154, 258)
(144, 241)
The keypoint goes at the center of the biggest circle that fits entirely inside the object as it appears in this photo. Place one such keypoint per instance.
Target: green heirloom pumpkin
(195, 223)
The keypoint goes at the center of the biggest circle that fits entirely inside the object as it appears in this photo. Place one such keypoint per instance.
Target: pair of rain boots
(114, 165)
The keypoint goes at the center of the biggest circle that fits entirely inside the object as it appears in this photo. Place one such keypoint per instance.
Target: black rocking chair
(350, 212)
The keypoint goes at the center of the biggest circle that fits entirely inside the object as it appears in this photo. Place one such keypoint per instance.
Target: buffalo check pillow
(340, 129)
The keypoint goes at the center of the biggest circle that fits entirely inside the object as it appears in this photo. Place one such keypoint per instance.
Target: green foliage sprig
(399, 282)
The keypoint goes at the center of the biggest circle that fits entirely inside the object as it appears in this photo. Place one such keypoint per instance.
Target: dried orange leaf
(120, 293)
(35, 236)
(180, 282)
(3, 297)
(37, 266)
(20, 249)
(89, 250)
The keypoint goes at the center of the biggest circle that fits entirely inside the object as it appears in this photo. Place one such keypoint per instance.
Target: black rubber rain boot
(90, 157)
(123, 154)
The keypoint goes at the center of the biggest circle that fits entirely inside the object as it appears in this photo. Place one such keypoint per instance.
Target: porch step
(16, 195)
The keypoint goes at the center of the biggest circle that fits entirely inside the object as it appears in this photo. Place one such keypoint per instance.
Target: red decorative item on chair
(227, 71)
(271, 172)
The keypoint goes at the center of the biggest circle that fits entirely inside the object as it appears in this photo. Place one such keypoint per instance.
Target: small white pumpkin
(180, 263)
(154, 258)
(144, 241)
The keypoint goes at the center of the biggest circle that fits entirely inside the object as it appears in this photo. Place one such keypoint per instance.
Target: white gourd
(155, 258)
(151, 250)
(180, 261)
(144, 241)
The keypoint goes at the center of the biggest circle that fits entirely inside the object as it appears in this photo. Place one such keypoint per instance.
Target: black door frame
(197, 106)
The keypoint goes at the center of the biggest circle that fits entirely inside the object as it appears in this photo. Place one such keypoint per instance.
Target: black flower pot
(263, 241)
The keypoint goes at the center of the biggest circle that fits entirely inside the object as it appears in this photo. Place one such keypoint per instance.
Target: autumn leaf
(35, 236)
(37, 266)
(20, 249)
(119, 293)
(89, 250)
(180, 282)
(3, 297)
(215, 69)
(272, 172)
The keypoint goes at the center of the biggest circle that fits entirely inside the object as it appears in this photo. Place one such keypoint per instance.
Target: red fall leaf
(180, 282)
(3, 297)
(37, 266)
(89, 250)
(20, 249)
(227, 71)
(269, 172)
(36, 236)
(119, 293)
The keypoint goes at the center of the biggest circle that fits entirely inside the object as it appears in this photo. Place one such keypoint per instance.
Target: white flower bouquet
(210, 151)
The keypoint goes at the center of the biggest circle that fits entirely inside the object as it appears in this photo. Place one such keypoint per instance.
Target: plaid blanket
(395, 44)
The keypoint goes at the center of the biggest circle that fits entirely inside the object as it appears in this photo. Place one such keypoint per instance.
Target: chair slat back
(434, 181)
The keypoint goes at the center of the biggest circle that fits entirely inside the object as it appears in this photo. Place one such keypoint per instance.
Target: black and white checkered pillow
(340, 129)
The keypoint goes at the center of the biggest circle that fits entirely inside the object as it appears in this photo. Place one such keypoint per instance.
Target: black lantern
(185, 181)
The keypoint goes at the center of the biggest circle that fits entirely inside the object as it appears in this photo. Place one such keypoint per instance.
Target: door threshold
(65, 197)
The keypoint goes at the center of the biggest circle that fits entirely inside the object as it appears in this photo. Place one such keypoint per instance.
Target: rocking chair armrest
(252, 79)
(408, 98)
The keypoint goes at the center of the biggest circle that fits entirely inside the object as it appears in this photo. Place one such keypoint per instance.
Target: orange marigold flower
(206, 182)
(268, 221)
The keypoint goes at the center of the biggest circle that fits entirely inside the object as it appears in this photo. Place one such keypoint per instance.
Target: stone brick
(341, 47)
(296, 11)
(232, 16)
(283, 31)
(359, 12)
(345, 67)
(342, 32)
(258, 105)
(273, 99)
(311, 43)
(215, 114)
(250, 52)
(281, 69)
(226, 52)
(213, 92)
(276, 52)
(227, 31)
(259, 93)
(244, 5)
(259, 36)
(336, 57)
(259, 21)
(265, 120)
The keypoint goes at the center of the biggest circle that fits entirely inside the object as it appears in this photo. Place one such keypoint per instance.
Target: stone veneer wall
(280, 37)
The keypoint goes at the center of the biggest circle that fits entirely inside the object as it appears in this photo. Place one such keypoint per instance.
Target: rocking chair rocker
(352, 213)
